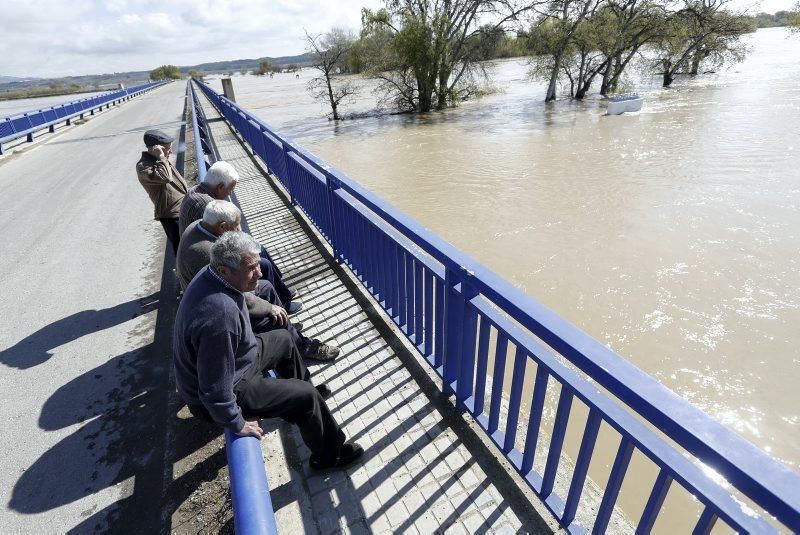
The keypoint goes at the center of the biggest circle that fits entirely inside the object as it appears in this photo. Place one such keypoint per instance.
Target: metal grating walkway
(424, 469)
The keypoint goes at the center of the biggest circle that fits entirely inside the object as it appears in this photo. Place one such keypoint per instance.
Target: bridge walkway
(425, 469)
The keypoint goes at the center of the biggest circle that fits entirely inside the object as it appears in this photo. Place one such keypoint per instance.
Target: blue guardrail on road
(26, 124)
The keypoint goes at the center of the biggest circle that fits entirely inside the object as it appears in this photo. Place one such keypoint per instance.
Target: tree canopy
(165, 72)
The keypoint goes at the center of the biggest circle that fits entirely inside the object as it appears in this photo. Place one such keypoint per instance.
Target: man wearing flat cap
(162, 181)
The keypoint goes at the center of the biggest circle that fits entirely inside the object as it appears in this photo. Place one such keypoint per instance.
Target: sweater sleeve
(257, 307)
(158, 173)
(216, 354)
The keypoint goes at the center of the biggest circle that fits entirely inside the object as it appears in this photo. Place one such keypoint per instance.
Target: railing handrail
(198, 144)
(768, 482)
(252, 505)
(34, 120)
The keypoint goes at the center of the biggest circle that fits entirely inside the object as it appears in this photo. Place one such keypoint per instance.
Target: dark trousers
(267, 292)
(172, 231)
(291, 396)
(271, 273)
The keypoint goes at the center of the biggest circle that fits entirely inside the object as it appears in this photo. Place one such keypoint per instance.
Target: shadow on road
(36, 348)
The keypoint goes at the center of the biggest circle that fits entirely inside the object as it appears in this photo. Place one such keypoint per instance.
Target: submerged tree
(700, 31)
(431, 54)
(629, 26)
(328, 54)
(553, 39)
(586, 39)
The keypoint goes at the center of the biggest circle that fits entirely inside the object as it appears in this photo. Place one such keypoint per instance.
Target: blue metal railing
(451, 307)
(252, 506)
(26, 124)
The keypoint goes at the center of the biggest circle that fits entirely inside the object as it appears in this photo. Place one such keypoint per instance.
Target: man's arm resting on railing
(251, 429)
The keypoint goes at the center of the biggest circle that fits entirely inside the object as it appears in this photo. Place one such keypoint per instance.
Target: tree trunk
(551, 88)
(605, 86)
(619, 68)
(330, 96)
(669, 77)
(696, 59)
(425, 98)
(583, 88)
(441, 93)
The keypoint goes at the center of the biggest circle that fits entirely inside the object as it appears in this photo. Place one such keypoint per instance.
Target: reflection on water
(672, 235)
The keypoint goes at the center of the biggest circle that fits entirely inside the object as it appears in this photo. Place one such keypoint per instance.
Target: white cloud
(56, 38)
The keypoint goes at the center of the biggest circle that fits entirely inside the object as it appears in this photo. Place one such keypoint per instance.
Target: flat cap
(156, 137)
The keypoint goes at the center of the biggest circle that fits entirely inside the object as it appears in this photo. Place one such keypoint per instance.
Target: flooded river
(671, 235)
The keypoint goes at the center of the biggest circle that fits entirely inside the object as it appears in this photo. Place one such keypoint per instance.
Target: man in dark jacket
(220, 363)
(162, 182)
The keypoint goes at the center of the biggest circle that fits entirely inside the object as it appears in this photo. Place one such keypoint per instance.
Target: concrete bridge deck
(425, 470)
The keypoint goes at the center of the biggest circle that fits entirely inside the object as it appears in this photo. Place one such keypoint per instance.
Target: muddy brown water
(671, 235)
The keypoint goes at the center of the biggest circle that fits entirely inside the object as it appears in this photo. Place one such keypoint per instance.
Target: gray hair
(221, 173)
(217, 212)
(229, 249)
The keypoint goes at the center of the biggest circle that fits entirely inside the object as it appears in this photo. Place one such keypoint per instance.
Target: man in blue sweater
(220, 363)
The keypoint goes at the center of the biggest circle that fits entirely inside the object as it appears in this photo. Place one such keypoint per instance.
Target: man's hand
(156, 151)
(279, 315)
(251, 429)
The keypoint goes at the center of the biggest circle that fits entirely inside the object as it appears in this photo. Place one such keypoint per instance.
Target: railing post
(457, 326)
(332, 185)
(469, 326)
(287, 150)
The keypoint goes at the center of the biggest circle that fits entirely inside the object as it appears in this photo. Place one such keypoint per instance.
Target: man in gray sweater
(264, 305)
(220, 362)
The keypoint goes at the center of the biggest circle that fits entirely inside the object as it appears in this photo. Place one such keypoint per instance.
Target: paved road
(83, 383)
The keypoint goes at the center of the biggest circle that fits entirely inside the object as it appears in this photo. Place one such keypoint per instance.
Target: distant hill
(110, 81)
(6, 79)
(249, 64)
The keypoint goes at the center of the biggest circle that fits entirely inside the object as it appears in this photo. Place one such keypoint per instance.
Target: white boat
(621, 104)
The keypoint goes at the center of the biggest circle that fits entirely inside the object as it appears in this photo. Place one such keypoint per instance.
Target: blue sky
(58, 38)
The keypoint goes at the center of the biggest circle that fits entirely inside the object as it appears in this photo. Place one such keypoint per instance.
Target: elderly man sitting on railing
(220, 363)
(267, 311)
(218, 183)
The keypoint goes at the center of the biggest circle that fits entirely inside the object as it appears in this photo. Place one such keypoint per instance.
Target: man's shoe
(348, 453)
(324, 391)
(319, 351)
(294, 307)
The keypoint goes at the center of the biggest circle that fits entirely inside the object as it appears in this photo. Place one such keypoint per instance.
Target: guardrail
(26, 124)
(451, 307)
(252, 506)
